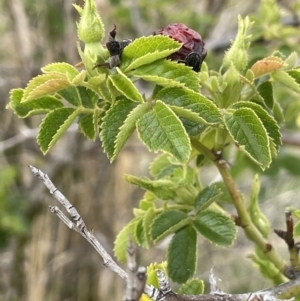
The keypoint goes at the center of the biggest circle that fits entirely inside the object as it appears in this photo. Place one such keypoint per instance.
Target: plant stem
(174, 207)
(250, 229)
(203, 149)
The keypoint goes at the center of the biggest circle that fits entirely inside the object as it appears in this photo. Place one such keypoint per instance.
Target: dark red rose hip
(193, 50)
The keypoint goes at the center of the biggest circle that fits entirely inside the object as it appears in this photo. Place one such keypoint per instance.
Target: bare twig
(78, 223)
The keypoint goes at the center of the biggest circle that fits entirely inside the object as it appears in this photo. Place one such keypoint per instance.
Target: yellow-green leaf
(45, 84)
(147, 50)
(125, 86)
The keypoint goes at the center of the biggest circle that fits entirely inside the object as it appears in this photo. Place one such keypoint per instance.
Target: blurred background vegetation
(40, 258)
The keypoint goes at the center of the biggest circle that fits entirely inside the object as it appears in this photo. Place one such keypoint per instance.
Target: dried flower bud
(193, 50)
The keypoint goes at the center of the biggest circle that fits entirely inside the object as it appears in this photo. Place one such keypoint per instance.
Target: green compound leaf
(71, 95)
(112, 121)
(147, 50)
(140, 234)
(121, 242)
(215, 227)
(163, 166)
(112, 90)
(162, 189)
(104, 90)
(63, 68)
(125, 86)
(248, 131)
(268, 121)
(193, 101)
(45, 84)
(287, 80)
(168, 73)
(98, 84)
(147, 201)
(39, 106)
(192, 287)
(54, 125)
(129, 126)
(182, 255)
(161, 129)
(206, 197)
(295, 74)
(78, 80)
(159, 164)
(87, 126)
(266, 92)
(191, 127)
(167, 223)
(143, 228)
(88, 97)
(79, 96)
(291, 61)
(186, 114)
(147, 222)
(278, 111)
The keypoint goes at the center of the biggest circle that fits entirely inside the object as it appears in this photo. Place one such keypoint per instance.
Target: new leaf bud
(90, 30)
(237, 54)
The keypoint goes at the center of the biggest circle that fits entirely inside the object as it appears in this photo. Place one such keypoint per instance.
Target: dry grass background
(51, 262)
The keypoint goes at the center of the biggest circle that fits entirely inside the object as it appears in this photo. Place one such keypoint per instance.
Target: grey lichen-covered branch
(77, 224)
(136, 277)
(287, 290)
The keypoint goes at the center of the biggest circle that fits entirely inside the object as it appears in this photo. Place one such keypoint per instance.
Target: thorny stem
(250, 229)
